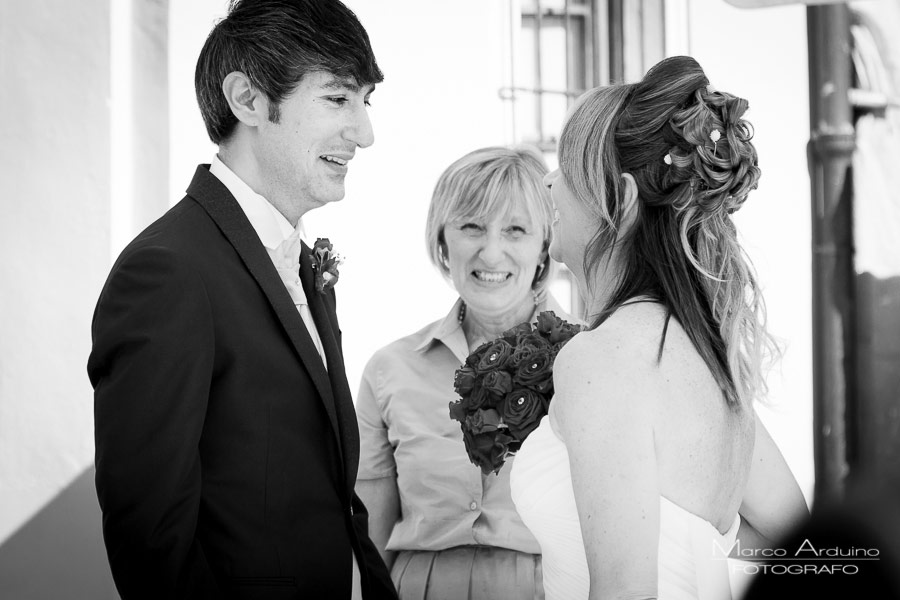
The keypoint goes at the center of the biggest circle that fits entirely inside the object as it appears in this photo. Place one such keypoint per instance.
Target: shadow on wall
(59, 553)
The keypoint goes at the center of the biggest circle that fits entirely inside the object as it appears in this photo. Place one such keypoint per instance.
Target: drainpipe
(830, 154)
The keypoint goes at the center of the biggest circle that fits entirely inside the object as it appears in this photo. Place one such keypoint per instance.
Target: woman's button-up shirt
(406, 432)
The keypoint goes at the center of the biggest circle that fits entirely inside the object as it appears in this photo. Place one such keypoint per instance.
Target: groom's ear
(247, 103)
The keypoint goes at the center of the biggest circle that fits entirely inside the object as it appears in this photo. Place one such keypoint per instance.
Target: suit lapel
(322, 308)
(224, 210)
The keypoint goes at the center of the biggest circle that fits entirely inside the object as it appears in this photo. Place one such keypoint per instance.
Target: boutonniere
(325, 262)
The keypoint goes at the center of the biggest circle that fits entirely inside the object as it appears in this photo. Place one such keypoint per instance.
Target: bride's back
(703, 446)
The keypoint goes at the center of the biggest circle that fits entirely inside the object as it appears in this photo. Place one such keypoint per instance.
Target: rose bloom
(464, 380)
(548, 323)
(487, 450)
(458, 411)
(483, 420)
(478, 398)
(512, 335)
(527, 346)
(522, 410)
(476, 354)
(535, 340)
(496, 356)
(497, 382)
(536, 372)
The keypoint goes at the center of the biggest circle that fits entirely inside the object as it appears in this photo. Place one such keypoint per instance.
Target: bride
(652, 460)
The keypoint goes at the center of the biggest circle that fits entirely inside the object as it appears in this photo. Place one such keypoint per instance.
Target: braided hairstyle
(690, 153)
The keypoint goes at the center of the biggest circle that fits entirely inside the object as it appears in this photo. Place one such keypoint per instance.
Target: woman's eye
(515, 231)
(470, 228)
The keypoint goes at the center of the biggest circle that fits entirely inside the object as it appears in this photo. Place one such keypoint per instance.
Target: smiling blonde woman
(446, 530)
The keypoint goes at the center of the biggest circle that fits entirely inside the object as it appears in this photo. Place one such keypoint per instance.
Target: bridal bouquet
(505, 388)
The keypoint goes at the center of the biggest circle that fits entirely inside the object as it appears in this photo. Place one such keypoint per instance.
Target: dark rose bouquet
(505, 388)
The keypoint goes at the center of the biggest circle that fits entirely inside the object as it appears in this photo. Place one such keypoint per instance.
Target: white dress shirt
(273, 229)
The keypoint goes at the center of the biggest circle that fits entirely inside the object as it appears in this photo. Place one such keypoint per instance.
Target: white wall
(54, 242)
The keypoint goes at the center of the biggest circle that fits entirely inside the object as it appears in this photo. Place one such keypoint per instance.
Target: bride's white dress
(690, 564)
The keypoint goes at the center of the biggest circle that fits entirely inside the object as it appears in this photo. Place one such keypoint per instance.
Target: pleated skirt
(468, 573)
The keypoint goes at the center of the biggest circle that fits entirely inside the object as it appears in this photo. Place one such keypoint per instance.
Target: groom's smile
(338, 161)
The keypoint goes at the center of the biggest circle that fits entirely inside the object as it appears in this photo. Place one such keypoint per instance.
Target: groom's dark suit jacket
(226, 453)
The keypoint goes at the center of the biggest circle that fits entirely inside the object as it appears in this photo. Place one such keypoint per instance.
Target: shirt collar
(449, 332)
(269, 224)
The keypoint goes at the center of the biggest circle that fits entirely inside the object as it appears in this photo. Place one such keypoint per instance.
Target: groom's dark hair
(275, 43)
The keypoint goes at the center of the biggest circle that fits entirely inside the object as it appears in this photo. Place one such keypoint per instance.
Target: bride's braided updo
(690, 153)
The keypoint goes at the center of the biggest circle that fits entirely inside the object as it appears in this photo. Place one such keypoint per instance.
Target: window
(555, 55)
(560, 48)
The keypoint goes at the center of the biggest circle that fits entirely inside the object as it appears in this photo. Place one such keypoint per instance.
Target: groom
(226, 438)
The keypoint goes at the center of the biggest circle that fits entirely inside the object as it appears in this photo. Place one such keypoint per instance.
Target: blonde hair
(683, 249)
(483, 184)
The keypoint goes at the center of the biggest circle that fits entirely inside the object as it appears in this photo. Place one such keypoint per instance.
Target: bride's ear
(630, 207)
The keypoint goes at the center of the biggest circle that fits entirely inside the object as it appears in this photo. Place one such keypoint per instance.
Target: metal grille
(555, 56)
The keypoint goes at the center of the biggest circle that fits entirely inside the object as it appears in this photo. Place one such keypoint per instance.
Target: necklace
(462, 311)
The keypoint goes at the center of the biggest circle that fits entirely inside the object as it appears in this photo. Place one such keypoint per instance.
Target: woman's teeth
(492, 277)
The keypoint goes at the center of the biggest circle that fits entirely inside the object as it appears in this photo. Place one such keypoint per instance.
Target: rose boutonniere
(505, 388)
(325, 262)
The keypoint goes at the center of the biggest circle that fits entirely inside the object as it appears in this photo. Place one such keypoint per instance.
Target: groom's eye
(339, 100)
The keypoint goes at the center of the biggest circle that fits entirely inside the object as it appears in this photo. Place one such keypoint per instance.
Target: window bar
(616, 42)
(514, 24)
(599, 31)
(537, 71)
(590, 78)
(570, 59)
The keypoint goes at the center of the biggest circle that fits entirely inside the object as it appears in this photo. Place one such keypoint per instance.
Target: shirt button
(473, 505)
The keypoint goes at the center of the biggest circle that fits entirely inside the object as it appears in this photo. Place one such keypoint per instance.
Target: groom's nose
(359, 129)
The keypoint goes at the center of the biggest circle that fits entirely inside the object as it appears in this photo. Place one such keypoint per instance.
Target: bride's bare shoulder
(631, 335)
(615, 360)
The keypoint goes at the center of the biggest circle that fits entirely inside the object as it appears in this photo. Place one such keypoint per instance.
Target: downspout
(830, 154)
